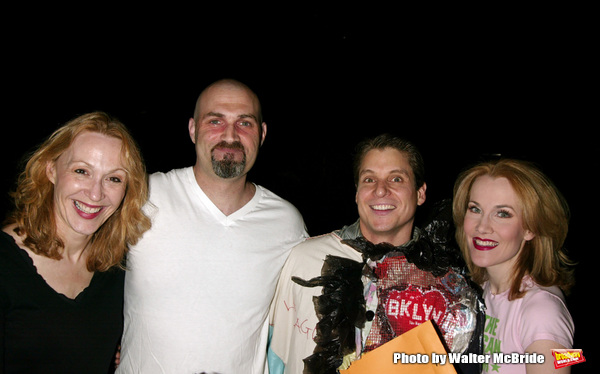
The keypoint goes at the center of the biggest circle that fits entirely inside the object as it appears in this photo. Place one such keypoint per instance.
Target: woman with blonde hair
(78, 207)
(511, 225)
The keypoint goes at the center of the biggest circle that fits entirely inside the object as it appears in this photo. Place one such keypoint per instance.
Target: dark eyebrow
(398, 171)
(401, 171)
(213, 114)
(248, 116)
(221, 115)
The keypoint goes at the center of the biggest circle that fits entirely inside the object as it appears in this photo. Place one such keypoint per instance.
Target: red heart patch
(409, 308)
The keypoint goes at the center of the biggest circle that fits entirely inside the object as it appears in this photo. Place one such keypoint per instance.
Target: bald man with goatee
(199, 284)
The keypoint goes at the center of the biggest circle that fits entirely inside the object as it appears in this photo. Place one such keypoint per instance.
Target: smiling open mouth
(484, 245)
(383, 207)
(87, 209)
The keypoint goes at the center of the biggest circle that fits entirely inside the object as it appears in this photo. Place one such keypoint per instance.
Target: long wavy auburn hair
(545, 213)
(34, 214)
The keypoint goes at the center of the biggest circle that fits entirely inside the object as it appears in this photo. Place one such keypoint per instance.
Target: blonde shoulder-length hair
(34, 206)
(545, 213)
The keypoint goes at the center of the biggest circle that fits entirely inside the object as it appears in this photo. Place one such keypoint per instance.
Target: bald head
(228, 85)
(227, 130)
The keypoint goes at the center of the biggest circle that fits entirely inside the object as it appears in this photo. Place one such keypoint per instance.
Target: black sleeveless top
(43, 331)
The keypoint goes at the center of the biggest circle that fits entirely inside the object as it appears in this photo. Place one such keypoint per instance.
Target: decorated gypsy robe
(364, 295)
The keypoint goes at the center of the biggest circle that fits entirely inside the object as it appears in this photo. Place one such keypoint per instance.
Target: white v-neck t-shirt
(199, 283)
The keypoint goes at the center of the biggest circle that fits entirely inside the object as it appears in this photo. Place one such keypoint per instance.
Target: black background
(463, 84)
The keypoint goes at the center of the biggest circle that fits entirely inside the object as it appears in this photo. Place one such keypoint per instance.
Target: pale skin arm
(544, 347)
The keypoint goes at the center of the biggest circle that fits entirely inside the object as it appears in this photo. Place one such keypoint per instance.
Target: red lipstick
(484, 244)
(87, 211)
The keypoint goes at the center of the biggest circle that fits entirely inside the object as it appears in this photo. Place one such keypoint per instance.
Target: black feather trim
(340, 309)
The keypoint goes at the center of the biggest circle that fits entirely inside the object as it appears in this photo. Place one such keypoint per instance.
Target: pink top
(511, 326)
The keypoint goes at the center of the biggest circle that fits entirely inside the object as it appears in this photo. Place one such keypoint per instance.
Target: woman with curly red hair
(78, 207)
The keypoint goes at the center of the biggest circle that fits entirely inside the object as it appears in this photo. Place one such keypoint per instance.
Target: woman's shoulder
(9, 240)
(539, 294)
(544, 305)
(545, 316)
(13, 257)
